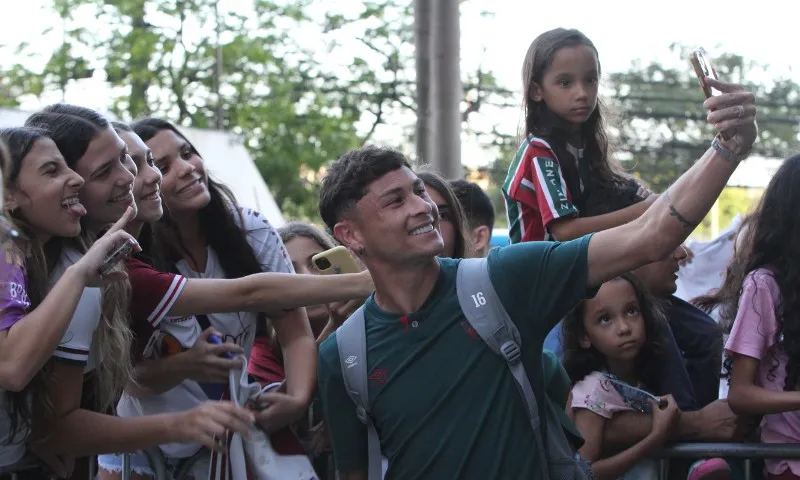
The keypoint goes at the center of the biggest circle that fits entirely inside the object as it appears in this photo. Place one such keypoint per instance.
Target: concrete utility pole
(446, 91)
(422, 44)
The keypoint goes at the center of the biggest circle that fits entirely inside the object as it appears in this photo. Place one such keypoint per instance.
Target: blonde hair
(73, 129)
(113, 339)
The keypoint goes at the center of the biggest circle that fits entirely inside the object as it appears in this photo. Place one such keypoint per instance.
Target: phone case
(123, 251)
(635, 398)
(334, 261)
(702, 68)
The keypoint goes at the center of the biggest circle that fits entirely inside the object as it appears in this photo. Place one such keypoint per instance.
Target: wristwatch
(727, 152)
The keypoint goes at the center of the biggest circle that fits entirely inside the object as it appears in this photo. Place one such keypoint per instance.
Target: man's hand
(733, 113)
(716, 422)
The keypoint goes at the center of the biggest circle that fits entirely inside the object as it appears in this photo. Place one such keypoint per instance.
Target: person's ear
(481, 237)
(347, 232)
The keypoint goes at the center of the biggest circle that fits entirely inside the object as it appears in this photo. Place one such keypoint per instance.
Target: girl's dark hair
(73, 128)
(580, 362)
(228, 240)
(431, 179)
(33, 402)
(768, 239)
(541, 122)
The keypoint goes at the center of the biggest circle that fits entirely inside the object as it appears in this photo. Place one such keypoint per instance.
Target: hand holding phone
(121, 252)
(336, 260)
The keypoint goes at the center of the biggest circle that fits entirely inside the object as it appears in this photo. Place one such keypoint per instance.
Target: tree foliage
(661, 130)
(301, 81)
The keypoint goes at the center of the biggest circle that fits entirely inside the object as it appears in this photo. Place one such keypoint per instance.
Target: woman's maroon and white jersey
(160, 335)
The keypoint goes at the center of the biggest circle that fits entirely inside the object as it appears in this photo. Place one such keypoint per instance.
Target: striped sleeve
(77, 341)
(519, 184)
(153, 292)
(553, 198)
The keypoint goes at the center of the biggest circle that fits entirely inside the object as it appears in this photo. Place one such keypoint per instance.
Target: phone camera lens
(323, 263)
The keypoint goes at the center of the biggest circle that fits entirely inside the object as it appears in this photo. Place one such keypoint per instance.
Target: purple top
(14, 301)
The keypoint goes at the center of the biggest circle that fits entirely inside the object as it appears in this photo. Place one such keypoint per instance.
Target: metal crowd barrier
(746, 451)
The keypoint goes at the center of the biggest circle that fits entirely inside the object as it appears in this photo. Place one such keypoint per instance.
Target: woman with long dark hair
(171, 352)
(759, 304)
(208, 235)
(98, 338)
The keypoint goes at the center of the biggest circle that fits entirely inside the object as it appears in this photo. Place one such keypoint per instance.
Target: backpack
(485, 313)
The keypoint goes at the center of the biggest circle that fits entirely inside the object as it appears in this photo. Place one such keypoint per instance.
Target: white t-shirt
(76, 345)
(175, 334)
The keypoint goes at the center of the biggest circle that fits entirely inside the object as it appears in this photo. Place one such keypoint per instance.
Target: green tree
(294, 111)
(662, 127)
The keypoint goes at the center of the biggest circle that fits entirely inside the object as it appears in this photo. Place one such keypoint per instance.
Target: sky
(622, 30)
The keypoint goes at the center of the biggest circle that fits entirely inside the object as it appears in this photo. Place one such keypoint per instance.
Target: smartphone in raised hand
(703, 68)
(336, 260)
(121, 252)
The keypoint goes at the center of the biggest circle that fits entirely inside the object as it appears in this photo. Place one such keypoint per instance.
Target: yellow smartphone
(336, 260)
(703, 68)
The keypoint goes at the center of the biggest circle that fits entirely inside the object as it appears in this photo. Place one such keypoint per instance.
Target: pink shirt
(753, 335)
(595, 393)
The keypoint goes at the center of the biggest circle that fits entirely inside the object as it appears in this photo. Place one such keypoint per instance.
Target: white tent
(227, 161)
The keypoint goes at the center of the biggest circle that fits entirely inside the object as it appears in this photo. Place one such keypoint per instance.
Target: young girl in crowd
(564, 169)
(42, 198)
(759, 304)
(612, 349)
(176, 350)
(564, 158)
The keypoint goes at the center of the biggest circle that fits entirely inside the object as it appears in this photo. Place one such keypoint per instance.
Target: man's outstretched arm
(675, 214)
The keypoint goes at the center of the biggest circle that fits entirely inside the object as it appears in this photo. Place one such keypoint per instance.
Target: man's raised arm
(676, 213)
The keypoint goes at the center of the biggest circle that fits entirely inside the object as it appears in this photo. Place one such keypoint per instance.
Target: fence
(746, 451)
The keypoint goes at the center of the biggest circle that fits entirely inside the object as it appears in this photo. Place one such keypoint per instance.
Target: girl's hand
(733, 113)
(338, 312)
(205, 361)
(666, 416)
(282, 410)
(320, 441)
(211, 421)
(89, 264)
